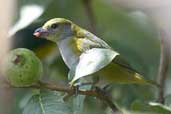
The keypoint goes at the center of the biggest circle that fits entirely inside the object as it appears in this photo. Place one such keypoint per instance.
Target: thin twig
(164, 63)
(71, 91)
(89, 11)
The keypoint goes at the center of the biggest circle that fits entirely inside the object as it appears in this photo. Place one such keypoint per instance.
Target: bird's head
(55, 29)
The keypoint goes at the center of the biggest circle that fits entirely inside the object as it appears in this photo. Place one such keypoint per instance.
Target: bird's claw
(75, 88)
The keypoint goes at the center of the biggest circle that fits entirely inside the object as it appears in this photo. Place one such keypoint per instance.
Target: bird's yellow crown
(57, 21)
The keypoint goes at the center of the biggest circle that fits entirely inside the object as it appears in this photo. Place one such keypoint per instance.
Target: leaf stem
(41, 105)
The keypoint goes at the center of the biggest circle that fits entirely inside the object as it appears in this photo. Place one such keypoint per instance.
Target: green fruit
(22, 67)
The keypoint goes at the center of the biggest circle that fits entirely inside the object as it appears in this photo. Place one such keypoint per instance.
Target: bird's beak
(40, 32)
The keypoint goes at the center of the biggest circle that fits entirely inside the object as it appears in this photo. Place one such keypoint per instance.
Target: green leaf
(77, 101)
(47, 102)
(168, 100)
(92, 61)
(152, 107)
(27, 97)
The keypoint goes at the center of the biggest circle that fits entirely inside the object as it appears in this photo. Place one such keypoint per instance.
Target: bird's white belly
(70, 58)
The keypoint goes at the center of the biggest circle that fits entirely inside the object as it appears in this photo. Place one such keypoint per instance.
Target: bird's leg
(104, 91)
(79, 85)
(75, 89)
(100, 91)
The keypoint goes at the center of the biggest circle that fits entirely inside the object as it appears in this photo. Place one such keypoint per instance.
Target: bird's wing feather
(97, 40)
(102, 44)
(89, 41)
(98, 43)
(123, 63)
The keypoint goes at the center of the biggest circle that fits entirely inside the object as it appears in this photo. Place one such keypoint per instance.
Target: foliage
(45, 102)
(133, 36)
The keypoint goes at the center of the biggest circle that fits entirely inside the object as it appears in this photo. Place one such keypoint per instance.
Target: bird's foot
(100, 91)
(75, 89)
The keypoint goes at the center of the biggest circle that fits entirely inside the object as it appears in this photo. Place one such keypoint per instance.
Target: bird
(85, 54)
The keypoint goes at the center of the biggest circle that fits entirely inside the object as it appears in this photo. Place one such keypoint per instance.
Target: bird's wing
(98, 41)
(92, 41)
(123, 63)
(97, 54)
(102, 44)
(89, 41)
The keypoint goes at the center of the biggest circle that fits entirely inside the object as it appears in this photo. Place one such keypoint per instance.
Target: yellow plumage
(114, 73)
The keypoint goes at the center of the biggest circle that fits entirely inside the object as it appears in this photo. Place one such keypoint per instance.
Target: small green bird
(86, 54)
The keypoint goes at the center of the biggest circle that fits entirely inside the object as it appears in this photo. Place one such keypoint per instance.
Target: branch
(90, 14)
(71, 91)
(164, 63)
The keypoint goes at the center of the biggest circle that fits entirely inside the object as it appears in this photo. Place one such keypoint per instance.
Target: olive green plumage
(73, 41)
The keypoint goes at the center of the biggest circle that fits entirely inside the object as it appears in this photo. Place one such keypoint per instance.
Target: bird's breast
(69, 51)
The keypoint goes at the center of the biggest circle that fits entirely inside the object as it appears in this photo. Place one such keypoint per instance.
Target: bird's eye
(54, 26)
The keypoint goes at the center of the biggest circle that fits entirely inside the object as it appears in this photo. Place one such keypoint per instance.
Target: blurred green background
(133, 35)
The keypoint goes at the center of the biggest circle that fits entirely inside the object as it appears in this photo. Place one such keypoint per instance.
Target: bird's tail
(148, 82)
(151, 82)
